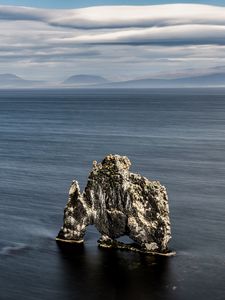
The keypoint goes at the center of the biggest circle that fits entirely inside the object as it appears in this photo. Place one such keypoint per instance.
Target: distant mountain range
(14, 81)
(85, 80)
(211, 80)
(88, 81)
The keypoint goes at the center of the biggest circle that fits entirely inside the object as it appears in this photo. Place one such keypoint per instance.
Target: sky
(153, 39)
(87, 3)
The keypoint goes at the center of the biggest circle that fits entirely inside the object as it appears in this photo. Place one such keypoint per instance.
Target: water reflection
(113, 274)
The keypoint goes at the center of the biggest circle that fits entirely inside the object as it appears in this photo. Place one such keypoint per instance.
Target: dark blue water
(48, 138)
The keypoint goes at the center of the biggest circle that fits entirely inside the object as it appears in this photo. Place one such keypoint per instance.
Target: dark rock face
(118, 203)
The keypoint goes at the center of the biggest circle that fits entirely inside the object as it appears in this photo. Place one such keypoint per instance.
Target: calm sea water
(48, 138)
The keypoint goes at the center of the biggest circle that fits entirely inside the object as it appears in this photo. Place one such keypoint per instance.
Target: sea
(50, 137)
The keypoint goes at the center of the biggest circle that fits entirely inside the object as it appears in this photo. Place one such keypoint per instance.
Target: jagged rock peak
(118, 203)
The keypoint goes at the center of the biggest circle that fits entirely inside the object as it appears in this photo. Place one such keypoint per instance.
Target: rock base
(132, 247)
(69, 241)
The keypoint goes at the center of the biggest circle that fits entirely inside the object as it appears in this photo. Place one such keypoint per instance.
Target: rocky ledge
(119, 203)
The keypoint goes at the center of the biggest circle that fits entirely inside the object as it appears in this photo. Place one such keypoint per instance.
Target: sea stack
(118, 203)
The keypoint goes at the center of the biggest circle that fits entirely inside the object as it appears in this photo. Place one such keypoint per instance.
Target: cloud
(139, 16)
(160, 24)
(170, 35)
(16, 13)
(110, 38)
(102, 17)
(48, 57)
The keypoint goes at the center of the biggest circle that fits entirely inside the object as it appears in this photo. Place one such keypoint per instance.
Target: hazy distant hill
(14, 81)
(195, 81)
(217, 79)
(10, 79)
(85, 80)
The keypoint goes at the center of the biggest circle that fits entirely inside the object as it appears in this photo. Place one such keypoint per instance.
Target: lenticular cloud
(173, 24)
(120, 16)
(169, 36)
(140, 16)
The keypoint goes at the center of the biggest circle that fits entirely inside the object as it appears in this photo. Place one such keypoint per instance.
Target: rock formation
(118, 203)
